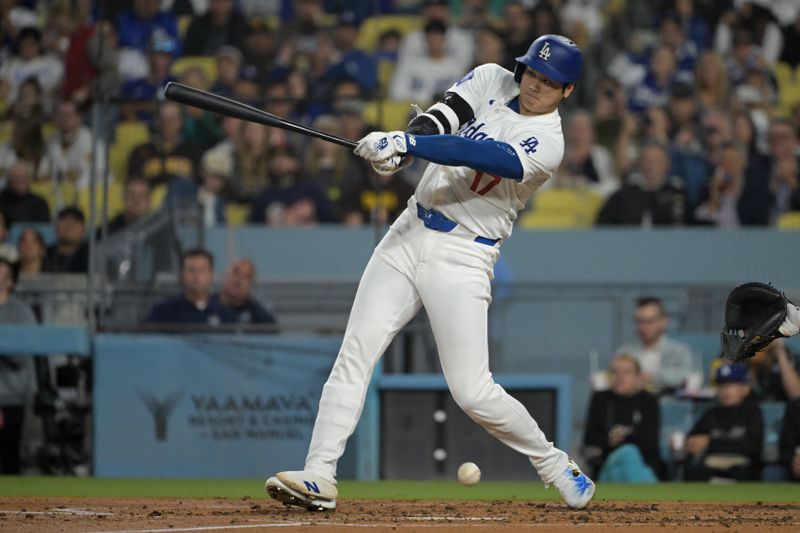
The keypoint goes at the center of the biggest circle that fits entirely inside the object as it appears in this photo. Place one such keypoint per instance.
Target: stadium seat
(772, 412)
(157, 197)
(115, 200)
(48, 129)
(5, 130)
(63, 196)
(128, 136)
(790, 220)
(236, 214)
(45, 190)
(372, 28)
(183, 25)
(547, 220)
(677, 415)
(388, 115)
(788, 88)
(385, 73)
(705, 346)
(562, 208)
(208, 64)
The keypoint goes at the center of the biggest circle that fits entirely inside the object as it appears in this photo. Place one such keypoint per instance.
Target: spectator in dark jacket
(622, 426)
(368, 197)
(290, 200)
(194, 305)
(790, 440)
(720, 199)
(775, 373)
(222, 24)
(137, 204)
(784, 169)
(69, 253)
(235, 294)
(168, 157)
(727, 441)
(650, 200)
(17, 201)
(17, 376)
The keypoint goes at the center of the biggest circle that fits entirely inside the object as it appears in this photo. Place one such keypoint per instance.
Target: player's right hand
(387, 167)
(379, 145)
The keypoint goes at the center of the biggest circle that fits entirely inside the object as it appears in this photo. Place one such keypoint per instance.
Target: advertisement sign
(203, 406)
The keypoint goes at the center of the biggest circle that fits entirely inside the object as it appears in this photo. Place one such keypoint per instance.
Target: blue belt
(436, 221)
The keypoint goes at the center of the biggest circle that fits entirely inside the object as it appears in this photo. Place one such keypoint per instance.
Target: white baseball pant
(450, 275)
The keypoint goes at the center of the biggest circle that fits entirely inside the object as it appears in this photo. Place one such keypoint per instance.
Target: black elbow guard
(424, 124)
(460, 107)
(445, 117)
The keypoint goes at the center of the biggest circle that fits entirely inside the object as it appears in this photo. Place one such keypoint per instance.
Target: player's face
(539, 94)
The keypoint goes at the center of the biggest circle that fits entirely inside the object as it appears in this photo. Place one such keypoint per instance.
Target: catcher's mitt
(753, 313)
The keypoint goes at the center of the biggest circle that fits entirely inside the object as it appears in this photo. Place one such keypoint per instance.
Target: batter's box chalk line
(291, 524)
(60, 510)
(455, 518)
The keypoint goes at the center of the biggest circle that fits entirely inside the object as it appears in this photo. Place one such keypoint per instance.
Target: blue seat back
(677, 414)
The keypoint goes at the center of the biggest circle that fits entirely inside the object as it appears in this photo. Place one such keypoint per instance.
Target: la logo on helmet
(544, 53)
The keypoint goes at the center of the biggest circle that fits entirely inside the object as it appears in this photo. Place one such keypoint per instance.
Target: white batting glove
(389, 166)
(379, 145)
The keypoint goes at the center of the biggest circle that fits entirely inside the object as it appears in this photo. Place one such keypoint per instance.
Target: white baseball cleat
(575, 487)
(302, 488)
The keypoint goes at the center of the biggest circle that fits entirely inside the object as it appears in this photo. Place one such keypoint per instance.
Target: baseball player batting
(492, 142)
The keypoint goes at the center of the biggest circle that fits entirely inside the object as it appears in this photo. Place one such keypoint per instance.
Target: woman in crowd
(31, 249)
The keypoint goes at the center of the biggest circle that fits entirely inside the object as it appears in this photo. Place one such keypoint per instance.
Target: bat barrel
(215, 103)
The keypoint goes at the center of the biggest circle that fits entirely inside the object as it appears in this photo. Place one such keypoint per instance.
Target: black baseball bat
(231, 108)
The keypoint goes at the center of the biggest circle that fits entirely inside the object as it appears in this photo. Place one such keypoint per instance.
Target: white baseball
(469, 474)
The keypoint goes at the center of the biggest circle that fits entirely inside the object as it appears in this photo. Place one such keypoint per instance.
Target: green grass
(403, 490)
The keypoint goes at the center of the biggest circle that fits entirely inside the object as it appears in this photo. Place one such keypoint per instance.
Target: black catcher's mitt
(753, 313)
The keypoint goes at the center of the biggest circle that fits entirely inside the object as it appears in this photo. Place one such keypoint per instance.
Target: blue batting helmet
(554, 56)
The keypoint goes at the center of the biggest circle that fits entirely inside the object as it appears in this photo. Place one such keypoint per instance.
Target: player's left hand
(379, 145)
(389, 166)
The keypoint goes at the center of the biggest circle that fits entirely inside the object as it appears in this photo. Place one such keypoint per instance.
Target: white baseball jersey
(481, 203)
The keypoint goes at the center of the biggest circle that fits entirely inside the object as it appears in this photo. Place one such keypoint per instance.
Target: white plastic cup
(694, 381)
(677, 440)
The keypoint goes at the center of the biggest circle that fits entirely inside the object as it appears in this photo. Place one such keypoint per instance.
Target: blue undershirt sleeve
(493, 157)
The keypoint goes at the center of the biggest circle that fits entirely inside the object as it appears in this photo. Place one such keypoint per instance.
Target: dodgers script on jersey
(481, 203)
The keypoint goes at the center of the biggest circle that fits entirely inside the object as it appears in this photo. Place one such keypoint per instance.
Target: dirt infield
(72, 515)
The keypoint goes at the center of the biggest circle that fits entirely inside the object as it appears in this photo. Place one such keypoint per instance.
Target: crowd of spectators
(197, 304)
(687, 112)
(625, 438)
